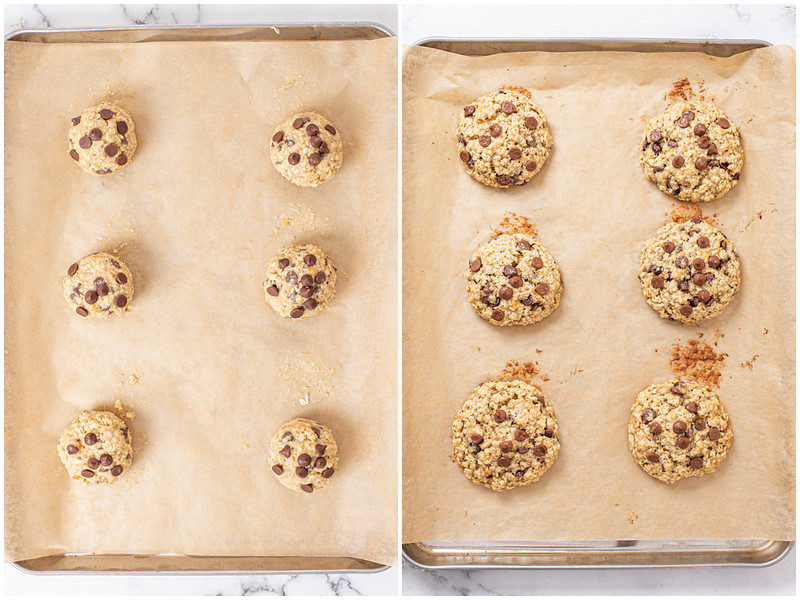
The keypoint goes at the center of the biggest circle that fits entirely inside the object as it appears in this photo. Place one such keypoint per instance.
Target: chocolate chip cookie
(678, 429)
(503, 138)
(300, 281)
(96, 447)
(692, 151)
(513, 280)
(303, 455)
(99, 286)
(505, 435)
(689, 271)
(306, 149)
(102, 139)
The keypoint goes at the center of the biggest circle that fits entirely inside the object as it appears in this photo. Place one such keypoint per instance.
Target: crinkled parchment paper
(594, 209)
(208, 368)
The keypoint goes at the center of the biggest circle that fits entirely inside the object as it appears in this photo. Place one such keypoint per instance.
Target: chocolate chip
(495, 130)
(700, 129)
(679, 427)
(505, 293)
(713, 434)
(655, 428)
(682, 442)
(677, 162)
(74, 155)
(283, 263)
(84, 142)
(542, 288)
(514, 153)
(301, 472)
(515, 282)
(469, 111)
(686, 310)
(672, 143)
(723, 122)
(500, 416)
(696, 462)
(106, 460)
(540, 450)
(320, 277)
(323, 149)
(73, 268)
(668, 247)
(121, 278)
(310, 304)
(121, 301)
(122, 160)
(655, 135)
(712, 149)
(294, 158)
(704, 142)
(694, 302)
(531, 123)
(287, 435)
(506, 446)
(72, 449)
(296, 313)
(464, 156)
(530, 165)
(703, 241)
(508, 108)
(531, 143)
(314, 158)
(503, 461)
(106, 114)
(484, 140)
(95, 134)
(653, 458)
(699, 264)
(503, 179)
(277, 469)
(312, 129)
(272, 290)
(683, 286)
(675, 389)
(657, 282)
(537, 263)
(286, 450)
(699, 279)
(704, 296)
(102, 288)
(701, 163)
(682, 262)
(330, 129)
(306, 280)
(93, 463)
(648, 415)
(692, 407)
(700, 424)
(277, 138)
(327, 473)
(86, 473)
(683, 122)
(304, 460)
(320, 463)
(298, 123)
(656, 149)
(82, 311)
(90, 439)
(76, 120)
(549, 432)
(523, 245)
(497, 315)
(122, 128)
(520, 435)
(316, 141)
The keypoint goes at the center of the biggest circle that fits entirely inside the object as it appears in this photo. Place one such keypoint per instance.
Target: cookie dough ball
(102, 139)
(99, 286)
(300, 281)
(678, 429)
(96, 448)
(689, 271)
(306, 149)
(513, 280)
(692, 151)
(503, 139)
(303, 455)
(505, 435)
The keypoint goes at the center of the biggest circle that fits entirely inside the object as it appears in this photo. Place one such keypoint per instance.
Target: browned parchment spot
(697, 360)
(680, 89)
(525, 371)
(749, 363)
(760, 215)
(514, 223)
(685, 212)
(519, 89)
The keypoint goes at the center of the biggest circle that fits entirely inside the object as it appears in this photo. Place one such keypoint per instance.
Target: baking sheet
(208, 368)
(594, 209)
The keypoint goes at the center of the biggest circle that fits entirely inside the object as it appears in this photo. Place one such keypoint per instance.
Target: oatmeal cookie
(306, 149)
(300, 281)
(96, 447)
(303, 455)
(99, 286)
(102, 139)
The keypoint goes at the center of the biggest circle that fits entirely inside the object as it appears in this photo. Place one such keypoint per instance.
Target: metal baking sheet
(174, 563)
(609, 553)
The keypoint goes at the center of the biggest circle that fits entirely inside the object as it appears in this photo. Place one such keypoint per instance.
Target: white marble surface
(56, 16)
(775, 24)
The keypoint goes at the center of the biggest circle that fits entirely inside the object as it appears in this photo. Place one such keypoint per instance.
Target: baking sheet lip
(632, 40)
(751, 565)
(366, 571)
(166, 27)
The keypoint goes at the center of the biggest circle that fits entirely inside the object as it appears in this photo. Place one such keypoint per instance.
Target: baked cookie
(303, 455)
(692, 151)
(96, 447)
(503, 139)
(678, 429)
(505, 435)
(513, 280)
(99, 285)
(102, 139)
(689, 271)
(300, 281)
(306, 149)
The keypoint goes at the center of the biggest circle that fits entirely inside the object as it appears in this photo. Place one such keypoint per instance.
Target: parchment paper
(207, 366)
(594, 209)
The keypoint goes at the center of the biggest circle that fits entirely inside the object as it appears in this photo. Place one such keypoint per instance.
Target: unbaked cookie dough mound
(300, 281)
(303, 455)
(678, 429)
(306, 149)
(102, 139)
(689, 271)
(96, 447)
(503, 138)
(505, 435)
(692, 151)
(99, 286)
(513, 280)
